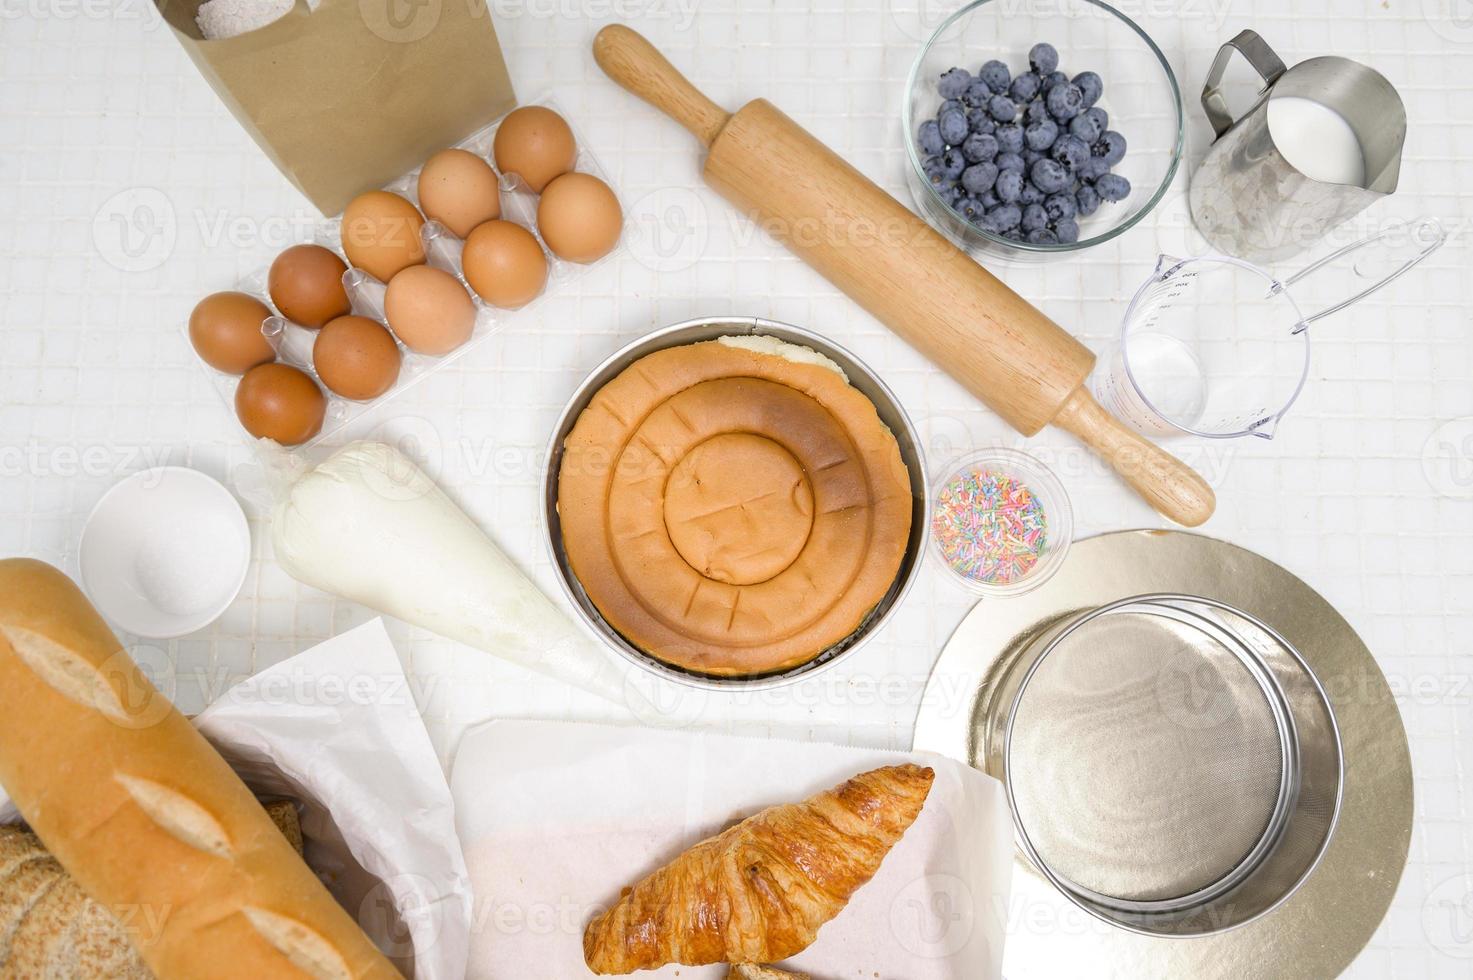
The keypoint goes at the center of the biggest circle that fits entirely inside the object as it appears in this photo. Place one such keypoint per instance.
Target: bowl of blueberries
(1035, 128)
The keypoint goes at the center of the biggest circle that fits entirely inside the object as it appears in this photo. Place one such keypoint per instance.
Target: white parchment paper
(556, 818)
(336, 729)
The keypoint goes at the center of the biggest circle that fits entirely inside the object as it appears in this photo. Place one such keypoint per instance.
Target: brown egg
(381, 234)
(356, 357)
(504, 264)
(306, 284)
(579, 217)
(429, 310)
(277, 401)
(536, 144)
(225, 329)
(459, 190)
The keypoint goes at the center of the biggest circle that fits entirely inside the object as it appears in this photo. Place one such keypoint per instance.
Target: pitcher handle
(1258, 54)
(1427, 230)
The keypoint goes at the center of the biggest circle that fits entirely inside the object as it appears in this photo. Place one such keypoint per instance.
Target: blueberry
(1034, 217)
(953, 84)
(979, 177)
(1039, 135)
(950, 104)
(1002, 217)
(1064, 102)
(1085, 127)
(989, 200)
(979, 147)
(1054, 78)
(1060, 206)
(1030, 157)
(977, 93)
(969, 208)
(1091, 86)
(979, 121)
(1010, 161)
(1049, 175)
(952, 125)
(1038, 112)
(951, 192)
(1043, 58)
(1113, 187)
(1009, 186)
(1087, 199)
(996, 75)
(1071, 151)
(935, 171)
(1067, 229)
(1041, 236)
(953, 163)
(1001, 108)
(929, 138)
(1031, 194)
(1092, 169)
(1100, 116)
(1110, 148)
(1025, 87)
(1009, 137)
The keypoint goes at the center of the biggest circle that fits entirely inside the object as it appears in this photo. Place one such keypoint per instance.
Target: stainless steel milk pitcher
(1247, 198)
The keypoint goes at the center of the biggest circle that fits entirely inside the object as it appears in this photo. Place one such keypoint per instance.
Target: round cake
(733, 507)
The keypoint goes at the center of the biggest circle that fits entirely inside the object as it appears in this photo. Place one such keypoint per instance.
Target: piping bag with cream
(371, 526)
(987, 337)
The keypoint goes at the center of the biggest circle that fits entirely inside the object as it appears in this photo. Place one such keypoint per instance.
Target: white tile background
(127, 192)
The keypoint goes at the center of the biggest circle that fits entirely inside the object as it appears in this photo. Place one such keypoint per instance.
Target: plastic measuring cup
(1216, 346)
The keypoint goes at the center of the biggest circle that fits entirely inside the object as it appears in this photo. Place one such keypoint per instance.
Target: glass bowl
(1140, 94)
(1009, 465)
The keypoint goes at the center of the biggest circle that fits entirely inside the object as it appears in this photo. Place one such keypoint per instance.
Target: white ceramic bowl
(164, 552)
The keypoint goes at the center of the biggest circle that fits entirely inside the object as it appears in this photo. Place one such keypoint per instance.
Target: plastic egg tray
(293, 343)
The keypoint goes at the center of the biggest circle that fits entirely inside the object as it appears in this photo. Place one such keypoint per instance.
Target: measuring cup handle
(1256, 52)
(1429, 231)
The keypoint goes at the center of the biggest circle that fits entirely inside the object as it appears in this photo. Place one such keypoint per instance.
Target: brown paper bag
(349, 96)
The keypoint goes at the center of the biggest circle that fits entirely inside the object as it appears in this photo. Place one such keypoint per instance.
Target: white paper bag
(337, 730)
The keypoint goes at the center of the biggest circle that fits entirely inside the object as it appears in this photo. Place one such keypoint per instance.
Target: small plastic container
(1001, 522)
(293, 343)
(165, 552)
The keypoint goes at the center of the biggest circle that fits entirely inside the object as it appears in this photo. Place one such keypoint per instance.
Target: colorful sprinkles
(990, 527)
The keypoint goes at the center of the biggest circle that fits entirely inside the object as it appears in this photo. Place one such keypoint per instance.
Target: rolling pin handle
(632, 61)
(1174, 489)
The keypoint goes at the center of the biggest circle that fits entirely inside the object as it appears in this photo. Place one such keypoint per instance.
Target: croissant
(750, 971)
(760, 891)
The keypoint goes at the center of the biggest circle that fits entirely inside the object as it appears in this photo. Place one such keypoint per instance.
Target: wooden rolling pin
(1002, 349)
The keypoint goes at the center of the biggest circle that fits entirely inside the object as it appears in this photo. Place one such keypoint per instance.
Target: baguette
(67, 936)
(148, 819)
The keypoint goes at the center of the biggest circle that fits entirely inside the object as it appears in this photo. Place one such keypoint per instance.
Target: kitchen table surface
(127, 192)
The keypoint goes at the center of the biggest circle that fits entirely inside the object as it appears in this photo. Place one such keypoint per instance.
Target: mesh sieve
(1151, 758)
